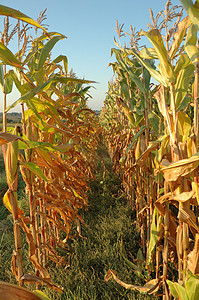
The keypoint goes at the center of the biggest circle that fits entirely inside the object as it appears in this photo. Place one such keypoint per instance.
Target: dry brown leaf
(29, 278)
(180, 168)
(141, 160)
(13, 292)
(186, 215)
(32, 250)
(150, 287)
(159, 96)
(6, 137)
(184, 197)
(193, 257)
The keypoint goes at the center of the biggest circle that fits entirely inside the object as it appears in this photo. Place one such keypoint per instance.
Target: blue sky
(90, 28)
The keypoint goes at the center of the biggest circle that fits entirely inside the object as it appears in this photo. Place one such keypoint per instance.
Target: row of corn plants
(53, 150)
(152, 135)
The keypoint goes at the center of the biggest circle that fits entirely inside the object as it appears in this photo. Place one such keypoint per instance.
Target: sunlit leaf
(166, 68)
(177, 290)
(190, 44)
(35, 169)
(7, 57)
(41, 295)
(16, 292)
(192, 11)
(10, 12)
(150, 67)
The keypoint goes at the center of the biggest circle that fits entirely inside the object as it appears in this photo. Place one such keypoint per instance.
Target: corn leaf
(11, 197)
(46, 50)
(166, 68)
(35, 169)
(7, 57)
(65, 62)
(29, 95)
(190, 44)
(177, 290)
(179, 36)
(10, 12)
(6, 137)
(150, 287)
(154, 120)
(182, 83)
(21, 88)
(192, 287)
(15, 292)
(184, 123)
(142, 158)
(150, 67)
(153, 237)
(193, 258)
(182, 167)
(41, 295)
(148, 53)
(135, 137)
(192, 11)
(7, 88)
(125, 67)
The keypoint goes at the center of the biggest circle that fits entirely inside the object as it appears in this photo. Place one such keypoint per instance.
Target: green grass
(108, 220)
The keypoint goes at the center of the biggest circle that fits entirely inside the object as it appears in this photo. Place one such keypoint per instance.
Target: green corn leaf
(154, 120)
(166, 68)
(190, 44)
(7, 57)
(184, 123)
(124, 88)
(35, 169)
(31, 105)
(182, 83)
(177, 290)
(23, 89)
(45, 146)
(150, 67)
(153, 237)
(43, 56)
(29, 95)
(47, 48)
(192, 11)
(1, 78)
(65, 62)
(10, 12)
(148, 53)
(41, 295)
(192, 287)
(125, 67)
(184, 103)
(182, 63)
(7, 89)
(135, 137)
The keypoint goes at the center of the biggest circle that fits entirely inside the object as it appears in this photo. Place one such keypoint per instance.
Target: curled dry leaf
(182, 167)
(186, 215)
(150, 287)
(6, 137)
(28, 278)
(193, 257)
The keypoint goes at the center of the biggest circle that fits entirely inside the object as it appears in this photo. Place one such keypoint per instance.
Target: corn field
(152, 135)
(150, 124)
(54, 148)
